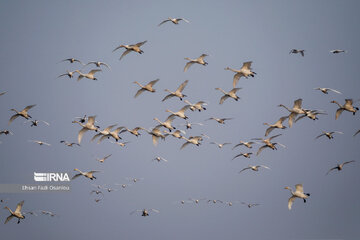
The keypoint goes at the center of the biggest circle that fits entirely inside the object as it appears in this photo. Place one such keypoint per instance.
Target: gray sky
(37, 35)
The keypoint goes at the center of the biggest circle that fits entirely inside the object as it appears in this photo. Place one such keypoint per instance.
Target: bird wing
(223, 98)
(263, 166)
(184, 108)
(338, 112)
(357, 132)
(268, 131)
(236, 78)
(150, 84)
(271, 138)
(335, 91)
(297, 103)
(331, 170)
(29, 107)
(292, 116)
(239, 144)
(260, 149)
(139, 92)
(301, 117)
(155, 140)
(125, 53)
(81, 134)
(76, 176)
(91, 120)
(244, 169)
(234, 90)
(320, 136)
(188, 64)
(247, 65)
(348, 162)
(140, 43)
(107, 156)
(13, 117)
(239, 155)
(299, 188)
(167, 20)
(182, 86)
(101, 139)
(3, 93)
(65, 74)
(170, 118)
(290, 202)
(8, 219)
(19, 206)
(105, 64)
(184, 145)
(118, 48)
(167, 97)
(109, 128)
(92, 72)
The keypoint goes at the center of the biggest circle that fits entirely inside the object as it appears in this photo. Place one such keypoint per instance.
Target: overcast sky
(37, 35)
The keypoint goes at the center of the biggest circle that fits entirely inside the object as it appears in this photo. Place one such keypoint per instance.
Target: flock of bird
(165, 128)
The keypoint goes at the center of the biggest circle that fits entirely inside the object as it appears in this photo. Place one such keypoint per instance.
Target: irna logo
(50, 177)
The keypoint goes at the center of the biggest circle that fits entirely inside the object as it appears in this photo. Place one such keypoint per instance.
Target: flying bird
(72, 60)
(129, 48)
(348, 106)
(220, 145)
(197, 106)
(6, 132)
(104, 158)
(156, 134)
(68, 73)
(69, 144)
(326, 90)
(219, 120)
(294, 111)
(167, 123)
(174, 21)
(180, 113)
(89, 75)
(23, 113)
(192, 140)
(89, 125)
(178, 93)
(337, 51)
(254, 168)
(106, 132)
(339, 167)
(148, 87)
(250, 205)
(35, 123)
(230, 94)
(245, 71)
(329, 135)
(159, 159)
(189, 124)
(134, 131)
(89, 174)
(299, 193)
(40, 142)
(17, 213)
(278, 124)
(199, 60)
(246, 144)
(246, 155)
(98, 64)
(2, 93)
(295, 51)
(145, 212)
